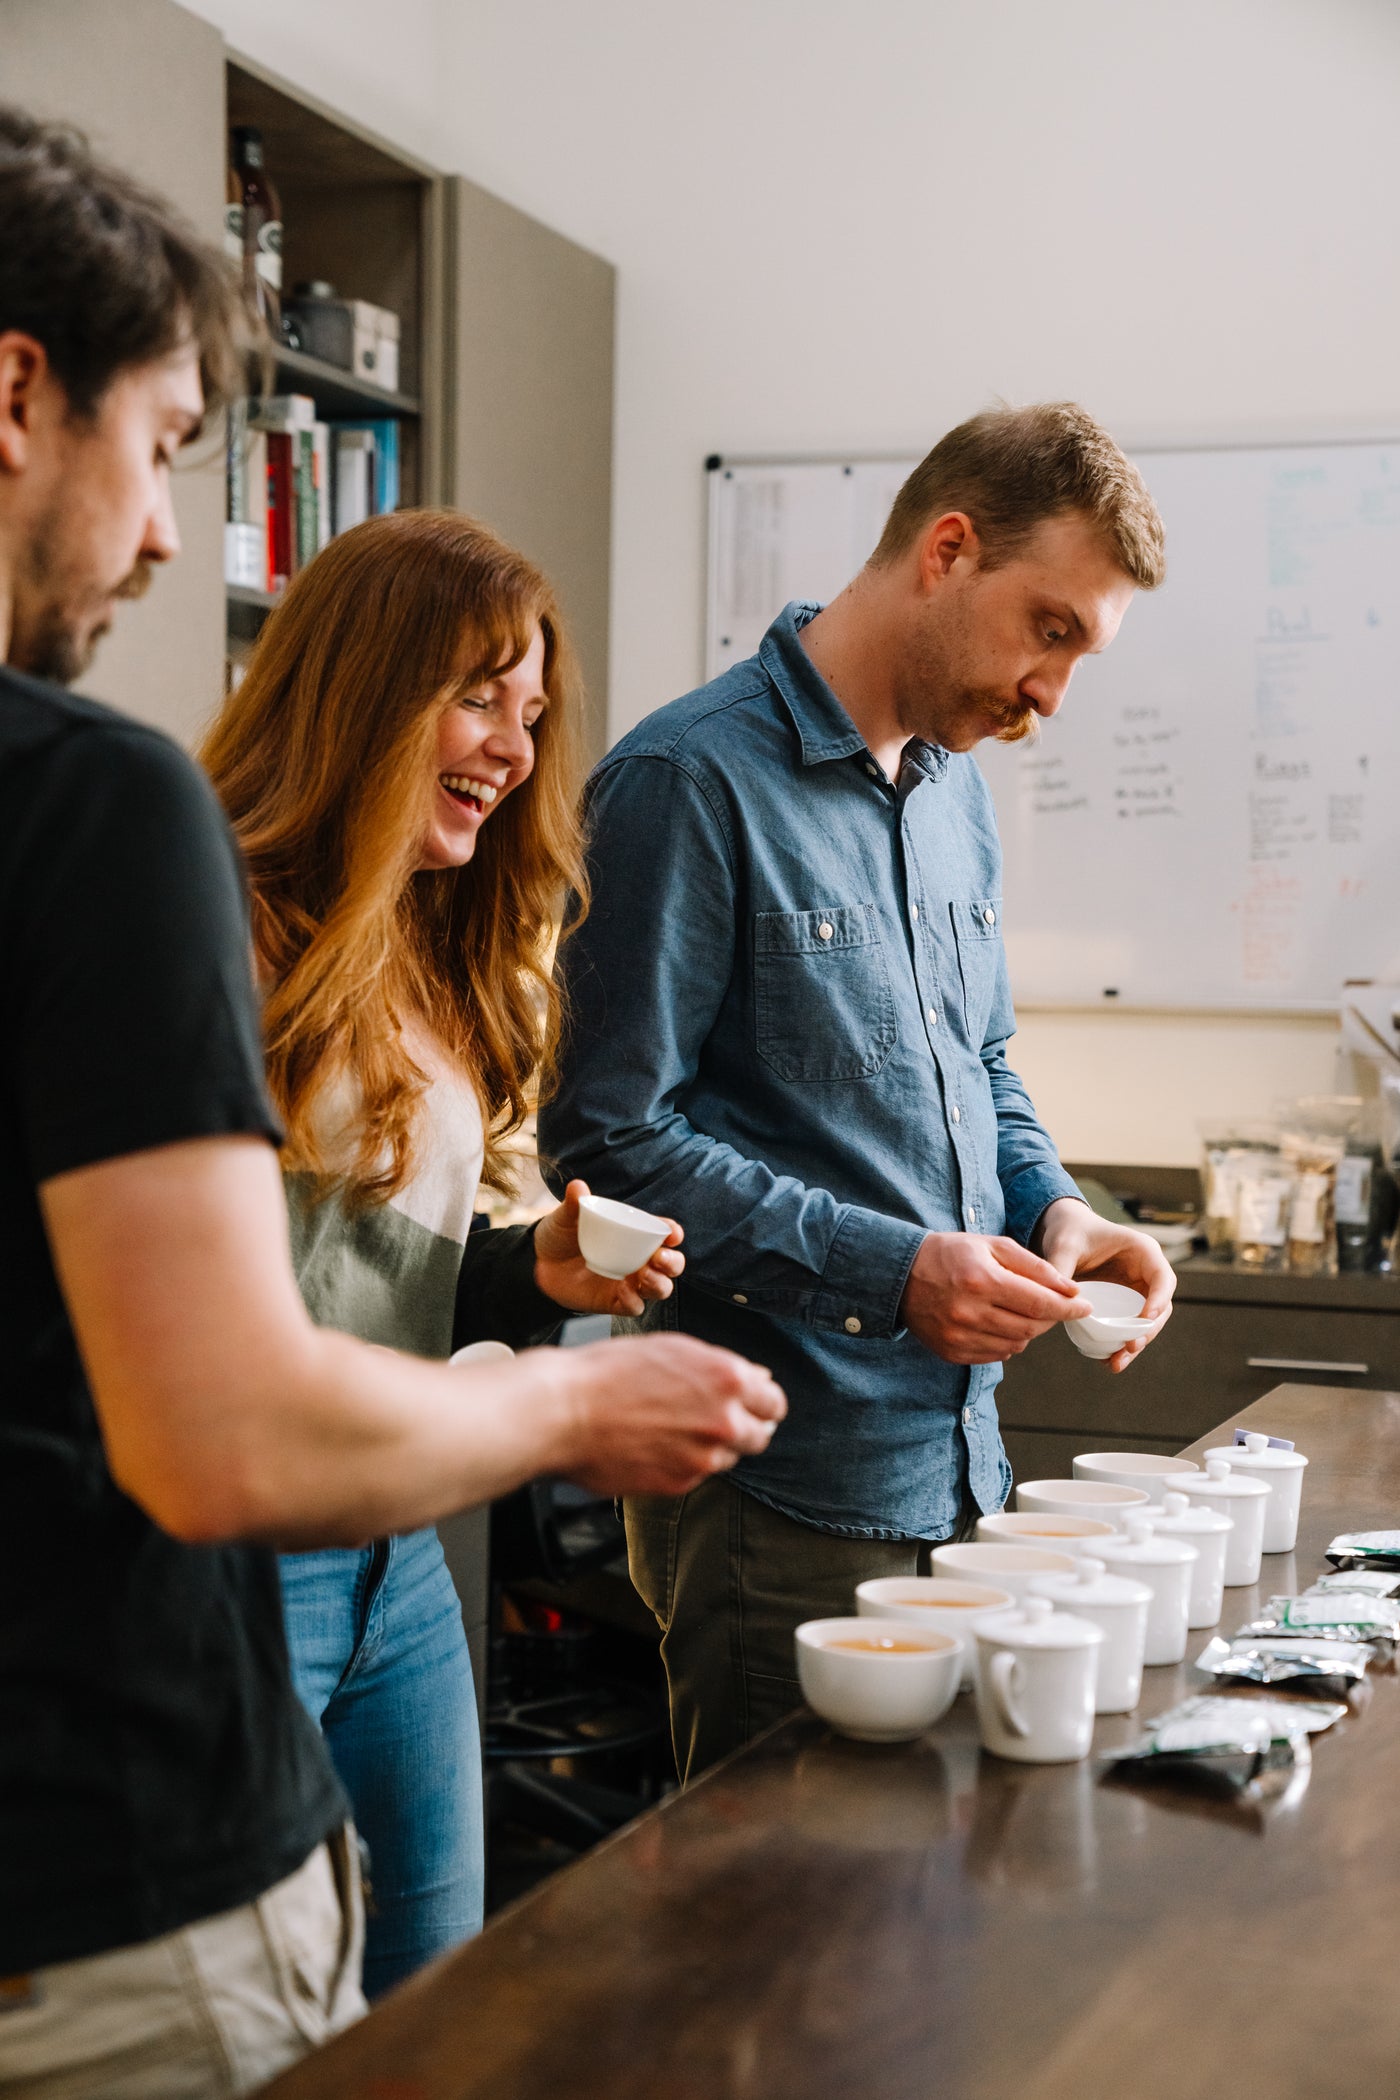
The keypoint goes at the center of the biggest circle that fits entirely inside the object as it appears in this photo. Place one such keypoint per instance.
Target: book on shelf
(295, 481)
(384, 431)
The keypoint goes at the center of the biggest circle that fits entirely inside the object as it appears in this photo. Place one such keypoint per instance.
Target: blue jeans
(380, 1661)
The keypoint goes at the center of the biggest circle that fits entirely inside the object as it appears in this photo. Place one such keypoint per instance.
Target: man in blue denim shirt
(789, 1017)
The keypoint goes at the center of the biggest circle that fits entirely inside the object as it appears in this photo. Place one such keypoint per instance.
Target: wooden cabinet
(529, 406)
(145, 81)
(1230, 1340)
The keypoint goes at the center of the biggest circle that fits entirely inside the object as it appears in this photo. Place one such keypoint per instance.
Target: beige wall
(842, 226)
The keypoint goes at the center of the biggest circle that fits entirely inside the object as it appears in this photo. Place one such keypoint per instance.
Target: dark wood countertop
(825, 1920)
(1203, 1281)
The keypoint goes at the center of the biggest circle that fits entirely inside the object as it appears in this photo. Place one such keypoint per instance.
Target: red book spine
(281, 516)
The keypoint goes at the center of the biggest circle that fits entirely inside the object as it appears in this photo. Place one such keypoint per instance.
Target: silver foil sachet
(1304, 1662)
(1365, 1549)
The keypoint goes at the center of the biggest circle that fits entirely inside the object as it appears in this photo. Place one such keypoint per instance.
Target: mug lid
(1093, 1585)
(1143, 1548)
(1036, 1624)
(1219, 1478)
(1258, 1455)
(1176, 1513)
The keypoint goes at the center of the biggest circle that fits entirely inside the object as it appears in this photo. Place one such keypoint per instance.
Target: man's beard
(58, 644)
(1019, 719)
(940, 704)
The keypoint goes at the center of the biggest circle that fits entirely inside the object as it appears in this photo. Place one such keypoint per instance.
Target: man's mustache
(137, 583)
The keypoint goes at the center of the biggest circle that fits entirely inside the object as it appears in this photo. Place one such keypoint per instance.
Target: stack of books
(295, 481)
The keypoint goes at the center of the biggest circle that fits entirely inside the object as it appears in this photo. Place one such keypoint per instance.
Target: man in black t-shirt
(178, 1911)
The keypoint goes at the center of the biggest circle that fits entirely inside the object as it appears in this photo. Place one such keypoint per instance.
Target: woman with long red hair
(399, 767)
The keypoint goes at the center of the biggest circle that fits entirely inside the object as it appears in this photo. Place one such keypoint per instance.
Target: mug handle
(1000, 1674)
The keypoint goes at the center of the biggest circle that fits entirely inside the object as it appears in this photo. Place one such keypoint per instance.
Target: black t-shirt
(155, 1764)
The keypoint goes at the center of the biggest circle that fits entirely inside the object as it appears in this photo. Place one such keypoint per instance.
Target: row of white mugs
(1050, 1614)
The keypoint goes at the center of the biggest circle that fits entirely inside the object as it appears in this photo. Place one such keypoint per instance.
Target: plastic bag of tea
(1365, 1549)
(1369, 1582)
(1304, 1662)
(1312, 1208)
(1337, 1615)
(1264, 1189)
(1249, 1748)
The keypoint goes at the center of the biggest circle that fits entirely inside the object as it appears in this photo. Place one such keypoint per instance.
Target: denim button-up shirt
(788, 1021)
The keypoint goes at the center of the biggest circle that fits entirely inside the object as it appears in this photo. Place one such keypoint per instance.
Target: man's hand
(563, 1275)
(975, 1300)
(1077, 1242)
(658, 1414)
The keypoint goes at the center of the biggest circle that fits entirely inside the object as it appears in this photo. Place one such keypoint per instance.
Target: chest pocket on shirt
(823, 1006)
(977, 931)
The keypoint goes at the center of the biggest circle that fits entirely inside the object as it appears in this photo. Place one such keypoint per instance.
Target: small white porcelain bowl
(879, 1694)
(1076, 1534)
(1080, 1498)
(948, 1607)
(614, 1239)
(1138, 1469)
(1116, 1319)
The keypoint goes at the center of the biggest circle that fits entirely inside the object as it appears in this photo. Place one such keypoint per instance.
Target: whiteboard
(1213, 818)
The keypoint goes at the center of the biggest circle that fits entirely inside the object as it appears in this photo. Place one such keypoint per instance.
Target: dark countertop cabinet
(1232, 1337)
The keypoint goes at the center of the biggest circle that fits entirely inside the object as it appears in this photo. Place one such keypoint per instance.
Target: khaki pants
(729, 1579)
(212, 2010)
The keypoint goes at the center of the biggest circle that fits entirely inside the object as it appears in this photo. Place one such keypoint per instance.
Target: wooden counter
(824, 1920)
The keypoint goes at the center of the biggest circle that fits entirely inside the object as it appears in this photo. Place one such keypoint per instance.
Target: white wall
(843, 225)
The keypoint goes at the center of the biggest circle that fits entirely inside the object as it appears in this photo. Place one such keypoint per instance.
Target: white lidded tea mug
(1208, 1530)
(950, 1607)
(1120, 1605)
(1282, 1474)
(1238, 1495)
(1165, 1566)
(1037, 1677)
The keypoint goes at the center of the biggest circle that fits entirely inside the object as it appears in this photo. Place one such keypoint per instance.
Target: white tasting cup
(1120, 1605)
(1208, 1530)
(1037, 1675)
(1165, 1565)
(1282, 1473)
(1237, 1495)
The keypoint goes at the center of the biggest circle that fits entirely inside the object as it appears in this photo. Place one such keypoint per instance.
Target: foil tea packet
(1365, 1549)
(1369, 1582)
(1303, 1662)
(1255, 1750)
(1336, 1615)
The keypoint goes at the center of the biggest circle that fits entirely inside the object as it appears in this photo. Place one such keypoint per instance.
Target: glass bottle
(262, 227)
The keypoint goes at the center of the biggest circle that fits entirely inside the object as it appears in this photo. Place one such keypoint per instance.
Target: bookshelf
(363, 217)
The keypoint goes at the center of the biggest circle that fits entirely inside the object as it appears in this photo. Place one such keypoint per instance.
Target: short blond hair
(1010, 469)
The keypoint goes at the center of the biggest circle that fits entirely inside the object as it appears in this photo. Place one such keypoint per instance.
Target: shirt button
(971, 1215)
(740, 1298)
(914, 911)
(967, 1418)
(873, 771)
(956, 1113)
(990, 916)
(852, 1324)
(825, 930)
(933, 1016)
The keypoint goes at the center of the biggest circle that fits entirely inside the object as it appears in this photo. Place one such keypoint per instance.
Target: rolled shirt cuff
(865, 1274)
(1029, 1194)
